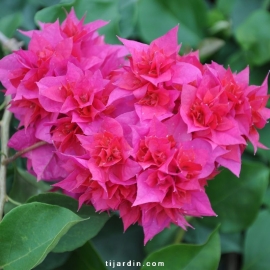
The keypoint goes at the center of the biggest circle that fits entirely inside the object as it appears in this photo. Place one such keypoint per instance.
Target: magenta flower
(133, 128)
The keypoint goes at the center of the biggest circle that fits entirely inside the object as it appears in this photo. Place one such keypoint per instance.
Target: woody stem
(23, 151)
(4, 149)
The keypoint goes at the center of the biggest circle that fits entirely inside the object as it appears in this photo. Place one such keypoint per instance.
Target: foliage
(47, 232)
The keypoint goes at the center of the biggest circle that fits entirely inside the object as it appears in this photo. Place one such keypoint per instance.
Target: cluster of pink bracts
(134, 128)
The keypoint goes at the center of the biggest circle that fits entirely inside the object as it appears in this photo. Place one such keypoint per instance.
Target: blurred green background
(234, 33)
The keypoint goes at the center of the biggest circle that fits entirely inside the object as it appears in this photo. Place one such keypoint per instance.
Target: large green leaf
(81, 232)
(253, 35)
(92, 9)
(230, 242)
(53, 260)
(24, 185)
(29, 232)
(257, 248)
(84, 258)
(156, 17)
(112, 244)
(237, 201)
(164, 238)
(187, 257)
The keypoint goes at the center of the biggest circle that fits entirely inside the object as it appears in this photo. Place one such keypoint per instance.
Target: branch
(11, 44)
(8, 199)
(21, 152)
(4, 149)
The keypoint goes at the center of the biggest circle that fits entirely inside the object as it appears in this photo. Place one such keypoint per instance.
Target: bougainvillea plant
(133, 128)
(146, 136)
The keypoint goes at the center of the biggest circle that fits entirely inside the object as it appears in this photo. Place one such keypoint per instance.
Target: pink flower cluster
(133, 128)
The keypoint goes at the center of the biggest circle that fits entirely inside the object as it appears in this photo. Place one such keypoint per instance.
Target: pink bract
(133, 128)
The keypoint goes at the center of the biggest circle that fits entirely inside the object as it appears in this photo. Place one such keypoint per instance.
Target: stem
(4, 149)
(11, 44)
(179, 236)
(181, 232)
(13, 201)
(23, 151)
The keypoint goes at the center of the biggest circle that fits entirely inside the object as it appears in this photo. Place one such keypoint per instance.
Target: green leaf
(29, 232)
(266, 198)
(84, 258)
(44, 3)
(156, 17)
(9, 7)
(92, 9)
(237, 61)
(257, 76)
(52, 13)
(10, 23)
(112, 244)
(239, 10)
(226, 6)
(164, 238)
(41, 186)
(253, 35)
(214, 17)
(243, 9)
(185, 256)
(15, 9)
(257, 249)
(24, 186)
(232, 242)
(102, 10)
(128, 11)
(237, 201)
(82, 231)
(225, 52)
(198, 235)
(53, 260)
(28, 13)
